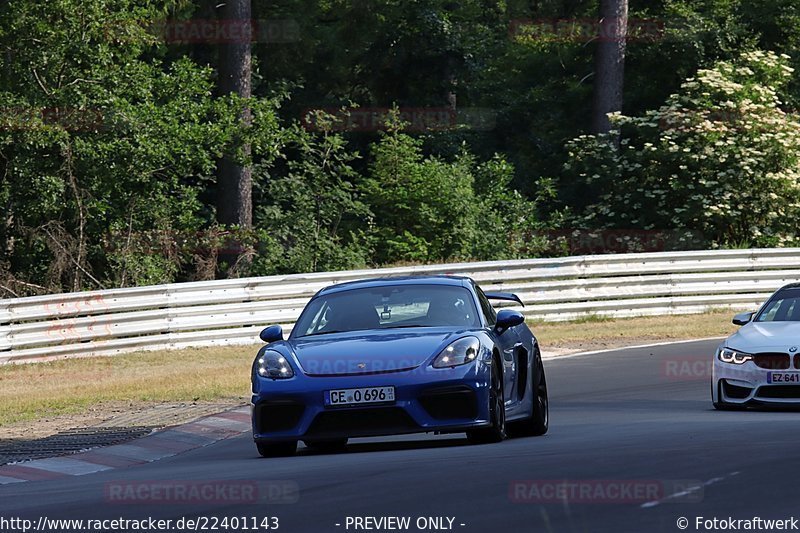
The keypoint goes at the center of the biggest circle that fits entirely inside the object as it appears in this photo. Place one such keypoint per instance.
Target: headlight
(273, 365)
(729, 355)
(460, 352)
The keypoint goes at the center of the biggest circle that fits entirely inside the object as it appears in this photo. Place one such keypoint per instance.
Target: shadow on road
(390, 446)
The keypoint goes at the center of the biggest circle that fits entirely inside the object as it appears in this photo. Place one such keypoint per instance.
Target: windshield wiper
(407, 326)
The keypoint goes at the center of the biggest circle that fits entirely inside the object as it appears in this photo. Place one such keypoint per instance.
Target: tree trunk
(234, 181)
(609, 62)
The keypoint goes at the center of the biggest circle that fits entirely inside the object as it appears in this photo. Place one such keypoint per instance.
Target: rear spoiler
(511, 297)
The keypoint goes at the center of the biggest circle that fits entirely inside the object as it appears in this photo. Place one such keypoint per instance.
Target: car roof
(455, 281)
(789, 286)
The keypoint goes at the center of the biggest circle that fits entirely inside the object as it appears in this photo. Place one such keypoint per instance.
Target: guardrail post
(5, 329)
(171, 304)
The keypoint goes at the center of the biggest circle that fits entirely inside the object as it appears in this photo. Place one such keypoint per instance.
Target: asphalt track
(640, 416)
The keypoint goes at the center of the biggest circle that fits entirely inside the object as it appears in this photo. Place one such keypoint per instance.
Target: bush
(424, 208)
(427, 209)
(313, 211)
(720, 158)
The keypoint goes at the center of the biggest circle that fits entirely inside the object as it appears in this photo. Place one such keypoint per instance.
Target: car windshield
(388, 307)
(783, 307)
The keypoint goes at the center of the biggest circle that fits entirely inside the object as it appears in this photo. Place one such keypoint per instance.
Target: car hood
(766, 336)
(370, 352)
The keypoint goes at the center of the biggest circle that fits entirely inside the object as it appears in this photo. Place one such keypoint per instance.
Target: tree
(234, 174)
(107, 148)
(609, 61)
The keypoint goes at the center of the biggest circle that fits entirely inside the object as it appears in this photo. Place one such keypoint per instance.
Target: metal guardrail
(234, 311)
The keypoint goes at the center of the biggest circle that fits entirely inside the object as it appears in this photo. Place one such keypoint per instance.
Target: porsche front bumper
(426, 400)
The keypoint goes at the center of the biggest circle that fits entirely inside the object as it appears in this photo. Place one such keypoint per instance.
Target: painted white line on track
(546, 357)
(689, 491)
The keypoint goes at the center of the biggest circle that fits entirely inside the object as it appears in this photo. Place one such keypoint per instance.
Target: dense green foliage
(719, 159)
(110, 133)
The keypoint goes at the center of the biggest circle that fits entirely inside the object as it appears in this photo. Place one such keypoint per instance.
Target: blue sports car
(398, 355)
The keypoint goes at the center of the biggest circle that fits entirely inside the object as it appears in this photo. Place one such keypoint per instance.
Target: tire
(277, 449)
(722, 405)
(327, 446)
(539, 421)
(496, 432)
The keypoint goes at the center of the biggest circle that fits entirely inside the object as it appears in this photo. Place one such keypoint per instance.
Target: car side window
(486, 306)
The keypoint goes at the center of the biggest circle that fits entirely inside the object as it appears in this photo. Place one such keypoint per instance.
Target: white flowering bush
(720, 158)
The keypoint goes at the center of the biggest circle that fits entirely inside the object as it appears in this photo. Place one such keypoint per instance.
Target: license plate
(359, 396)
(783, 377)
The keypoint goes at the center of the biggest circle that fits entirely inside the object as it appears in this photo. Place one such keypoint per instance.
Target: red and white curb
(158, 445)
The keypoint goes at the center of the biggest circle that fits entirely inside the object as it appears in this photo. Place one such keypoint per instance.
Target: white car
(760, 363)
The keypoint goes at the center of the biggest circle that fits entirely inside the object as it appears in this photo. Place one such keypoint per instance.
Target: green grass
(41, 390)
(594, 330)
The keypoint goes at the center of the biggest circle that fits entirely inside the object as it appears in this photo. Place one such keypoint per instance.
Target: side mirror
(743, 318)
(508, 318)
(272, 334)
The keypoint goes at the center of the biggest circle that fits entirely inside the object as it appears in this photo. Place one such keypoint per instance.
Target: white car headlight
(729, 355)
(459, 352)
(273, 365)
